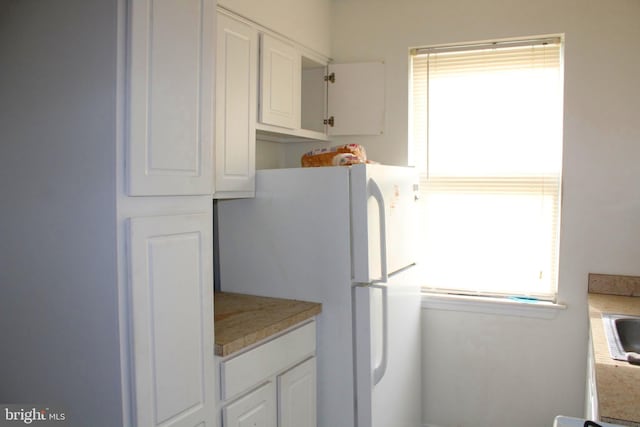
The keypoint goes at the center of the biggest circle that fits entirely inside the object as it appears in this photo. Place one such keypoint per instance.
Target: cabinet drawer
(241, 372)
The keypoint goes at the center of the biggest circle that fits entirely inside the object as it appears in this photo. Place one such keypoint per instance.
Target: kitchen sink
(623, 336)
(629, 334)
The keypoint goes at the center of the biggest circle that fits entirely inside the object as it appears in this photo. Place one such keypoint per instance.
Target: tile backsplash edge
(612, 284)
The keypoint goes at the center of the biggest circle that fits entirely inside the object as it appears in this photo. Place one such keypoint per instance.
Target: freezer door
(383, 221)
(388, 352)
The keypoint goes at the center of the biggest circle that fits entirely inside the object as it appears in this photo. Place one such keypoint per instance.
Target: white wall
(490, 370)
(305, 21)
(59, 300)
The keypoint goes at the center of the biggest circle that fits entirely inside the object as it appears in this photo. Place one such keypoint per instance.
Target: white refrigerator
(344, 237)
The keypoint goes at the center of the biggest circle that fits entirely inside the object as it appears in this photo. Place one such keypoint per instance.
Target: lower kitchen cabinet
(271, 384)
(256, 409)
(297, 396)
(172, 318)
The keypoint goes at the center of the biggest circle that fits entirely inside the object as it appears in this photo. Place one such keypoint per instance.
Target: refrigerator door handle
(380, 370)
(376, 193)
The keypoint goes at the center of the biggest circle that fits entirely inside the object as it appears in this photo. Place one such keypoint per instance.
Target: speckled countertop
(617, 382)
(242, 320)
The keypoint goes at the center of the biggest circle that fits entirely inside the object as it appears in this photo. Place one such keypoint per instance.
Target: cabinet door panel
(356, 99)
(297, 396)
(172, 316)
(280, 83)
(170, 127)
(314, 96)
(236, 101)
(257, 409)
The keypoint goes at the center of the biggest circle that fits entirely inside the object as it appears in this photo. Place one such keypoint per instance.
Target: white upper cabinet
(280, 83)
(236, 106)
(296, 97)
(293, 92)
(356, 99)
(343, 99)
(301, 96)
(171, 97)
(334, 99)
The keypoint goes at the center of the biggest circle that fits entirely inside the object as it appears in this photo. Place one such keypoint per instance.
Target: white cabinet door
(172, 316)
(314, 95)
(297, 396)
(356, 99)
(236, 101)
(280, 83)
(171, 97)
(256, 409)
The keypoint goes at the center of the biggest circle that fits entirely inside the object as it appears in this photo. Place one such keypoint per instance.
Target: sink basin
(623, 335)
(629, 334)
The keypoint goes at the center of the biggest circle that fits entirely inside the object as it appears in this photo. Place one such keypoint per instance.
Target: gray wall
(58, 306)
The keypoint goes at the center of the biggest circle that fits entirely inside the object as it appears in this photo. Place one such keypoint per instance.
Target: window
(486, 136)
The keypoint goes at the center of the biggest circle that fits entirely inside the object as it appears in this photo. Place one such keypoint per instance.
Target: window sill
(489, 305)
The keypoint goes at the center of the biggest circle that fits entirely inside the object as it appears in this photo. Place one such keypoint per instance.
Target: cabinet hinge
(330, 78)
(330, 121)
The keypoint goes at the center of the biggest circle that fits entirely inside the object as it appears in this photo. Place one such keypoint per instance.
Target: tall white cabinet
(106, 264)
(171, 306)
(169, 152)
(171, 86)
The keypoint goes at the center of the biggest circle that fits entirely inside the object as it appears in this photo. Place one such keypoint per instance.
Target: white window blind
(486, 135)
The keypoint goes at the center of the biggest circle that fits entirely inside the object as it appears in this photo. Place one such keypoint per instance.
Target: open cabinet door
(356, 98)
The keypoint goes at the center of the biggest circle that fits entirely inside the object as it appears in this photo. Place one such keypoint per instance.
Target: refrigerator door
(383, 206)
(388, 352)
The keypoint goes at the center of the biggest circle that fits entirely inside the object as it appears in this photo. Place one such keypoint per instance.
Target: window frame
(459, 182)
